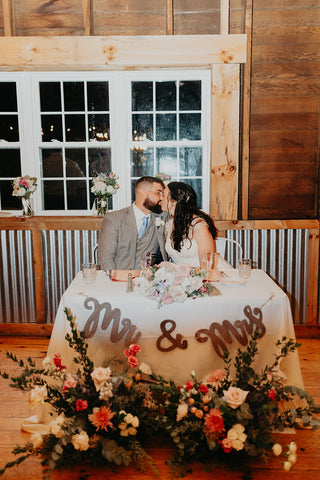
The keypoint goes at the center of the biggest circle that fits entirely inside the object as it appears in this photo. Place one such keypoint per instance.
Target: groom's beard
(155, 208)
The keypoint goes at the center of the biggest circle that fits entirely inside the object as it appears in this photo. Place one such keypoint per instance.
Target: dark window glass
(8, 97)
(98, 96)
(190, 126)
(76, 194)
(190, 95)
(99, 127)
(142, 96)
(167, 160)
(50, 97)
(10, 165)
(141, 162)
(166, 126)
(142, 126)
(53, 198)
(9, 128)
(51, 128)
(8, 202)
(196, 184)
(190, 159)
(73, 96)
(75, 128)
(75, 162)
(166, 96)
(99, 160)
(52, 162)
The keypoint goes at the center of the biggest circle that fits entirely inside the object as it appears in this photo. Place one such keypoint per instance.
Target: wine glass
(244, 266)
(207, 261)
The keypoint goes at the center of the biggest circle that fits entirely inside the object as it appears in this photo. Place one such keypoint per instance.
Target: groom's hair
(147, 179)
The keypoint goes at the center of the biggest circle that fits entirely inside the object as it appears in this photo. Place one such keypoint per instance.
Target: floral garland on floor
(103, 415)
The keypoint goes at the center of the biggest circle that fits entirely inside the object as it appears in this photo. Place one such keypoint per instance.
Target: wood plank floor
(14, 407)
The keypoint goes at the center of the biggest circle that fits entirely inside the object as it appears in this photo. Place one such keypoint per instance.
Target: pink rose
(235, 396)
(70, 382)
(167, 298)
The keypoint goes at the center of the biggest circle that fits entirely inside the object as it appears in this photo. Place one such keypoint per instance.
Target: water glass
(207, 261)
(89, 271)
(244, 266)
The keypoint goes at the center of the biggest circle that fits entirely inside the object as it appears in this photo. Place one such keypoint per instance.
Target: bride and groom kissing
(163, 220)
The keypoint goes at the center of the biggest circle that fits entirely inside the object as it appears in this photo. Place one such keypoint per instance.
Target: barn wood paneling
(284, 128)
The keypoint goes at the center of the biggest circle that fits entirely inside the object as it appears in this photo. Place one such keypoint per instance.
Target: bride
(189, 231)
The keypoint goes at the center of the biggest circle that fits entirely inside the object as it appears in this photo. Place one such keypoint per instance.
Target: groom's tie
(143, 226)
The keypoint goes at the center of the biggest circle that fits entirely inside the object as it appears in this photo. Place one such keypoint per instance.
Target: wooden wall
(279, 161)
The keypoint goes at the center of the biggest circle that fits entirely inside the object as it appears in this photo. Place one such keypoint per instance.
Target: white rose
(235, 396)
(128, 418)
(192, 283)
(135, 422)
(37, 440)
(47, 363)
(106, 392)
(163, 275)
(182, 411)
(178, 293)
(37, 396)
(292, 447)
(242, 437)
(145, 369)
(55, 427)
(100, 376)
(32, 188)
(287, 466)
(237, 444)
(21, 192)
(131, 430)
(80, 441)
(277, 449)
(232, 434)
(292, 458)
(110, 189)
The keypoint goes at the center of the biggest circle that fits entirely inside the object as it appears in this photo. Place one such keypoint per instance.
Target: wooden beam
(26, 329)
(103, 53)
(224, 142)
(313, 277)
(246, 112)
(38, 276)
(224, 17)
(87, 17)
(8, 25)
(169, 17)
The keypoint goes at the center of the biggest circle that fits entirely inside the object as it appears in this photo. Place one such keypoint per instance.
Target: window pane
(196, 184)
(166, 96)
(98, 95)
(142, 96)
(99, 160)
(51, 128)
(190, 159)
(53, 195)
(77, 194)
(141, 162)
(142, 127)
(10, 165)
(9, 129)
(99, 127)
(75, 162)
(50, 97)
(52, 163)
(8, 97)
(167, 160)
(166, 126)
(190, 95)
(8, 202)
(73, 96)
(190, 126)
(75, 128)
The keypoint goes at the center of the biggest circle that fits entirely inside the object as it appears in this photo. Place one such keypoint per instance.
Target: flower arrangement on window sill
(165, 177)
(23, 187)
(103, 186)
(104, 415)
(168, 282)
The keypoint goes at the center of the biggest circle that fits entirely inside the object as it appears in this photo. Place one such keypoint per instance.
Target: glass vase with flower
(103, 186)
(23, 187)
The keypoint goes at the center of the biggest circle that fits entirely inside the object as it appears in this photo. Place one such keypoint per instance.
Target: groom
(129, 232)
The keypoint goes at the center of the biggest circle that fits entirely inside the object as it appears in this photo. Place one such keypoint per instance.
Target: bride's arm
(203, 238)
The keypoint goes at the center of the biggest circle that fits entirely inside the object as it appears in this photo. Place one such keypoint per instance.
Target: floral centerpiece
(165, 177)
(23, 187)
(168, 282)
(104, 186)
(104, 414)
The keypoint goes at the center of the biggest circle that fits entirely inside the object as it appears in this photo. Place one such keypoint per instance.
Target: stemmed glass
(244, 266)
(207, 262)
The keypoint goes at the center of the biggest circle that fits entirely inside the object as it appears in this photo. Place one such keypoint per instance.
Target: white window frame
(120, 119)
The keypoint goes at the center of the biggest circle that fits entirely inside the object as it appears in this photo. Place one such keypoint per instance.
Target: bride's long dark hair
(185, 211)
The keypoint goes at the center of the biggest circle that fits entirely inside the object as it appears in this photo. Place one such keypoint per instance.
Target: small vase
(100, 207)
(27, 210)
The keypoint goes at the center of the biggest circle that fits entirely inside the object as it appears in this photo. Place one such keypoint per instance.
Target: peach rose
(80, 441)
(100, 376)
(235, 396)
(37, 396)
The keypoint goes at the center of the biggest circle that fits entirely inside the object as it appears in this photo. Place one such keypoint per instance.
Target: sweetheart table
(181, 337)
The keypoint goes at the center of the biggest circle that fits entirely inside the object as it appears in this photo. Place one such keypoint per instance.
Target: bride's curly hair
(185, 212)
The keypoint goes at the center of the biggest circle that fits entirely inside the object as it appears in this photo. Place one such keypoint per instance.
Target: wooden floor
(14, 407)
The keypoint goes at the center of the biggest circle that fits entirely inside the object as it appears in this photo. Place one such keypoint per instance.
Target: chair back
(94, 254)
(229, 250)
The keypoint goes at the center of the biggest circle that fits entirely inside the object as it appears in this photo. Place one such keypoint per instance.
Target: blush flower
(100, 376)
(101, 418)
(70, 382)
(235, 396)
(215, 378)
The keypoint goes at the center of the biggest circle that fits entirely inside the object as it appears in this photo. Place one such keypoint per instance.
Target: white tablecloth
(180, 337)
